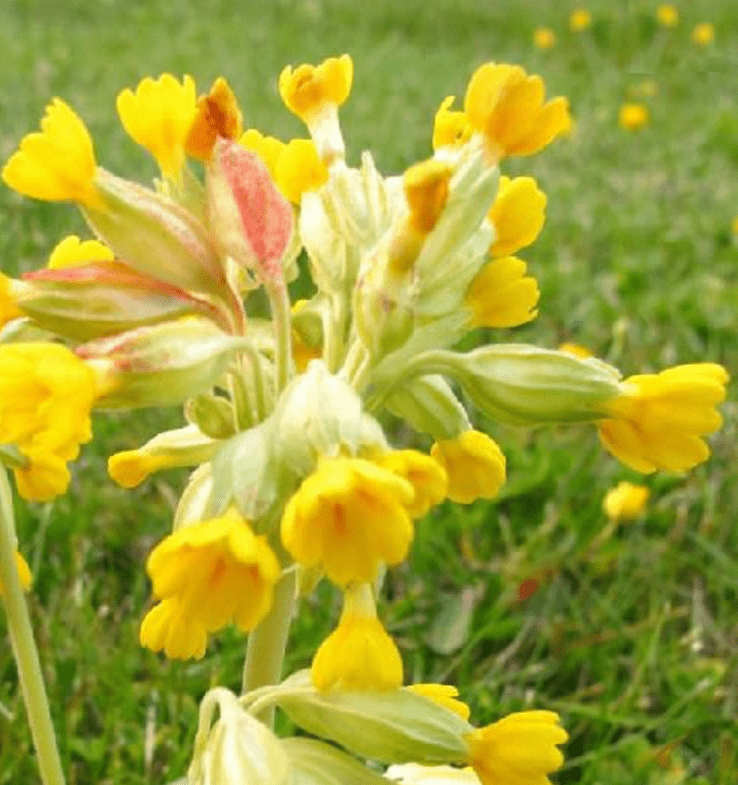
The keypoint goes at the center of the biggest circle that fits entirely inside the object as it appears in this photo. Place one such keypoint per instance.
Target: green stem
(268, 641)
(24, 647)
(280, 306)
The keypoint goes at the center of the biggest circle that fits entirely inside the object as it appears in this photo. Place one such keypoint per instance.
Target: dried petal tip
(218, 115)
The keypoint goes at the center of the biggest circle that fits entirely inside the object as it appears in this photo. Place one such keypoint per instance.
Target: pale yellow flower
(207, 575)
(580, 19)
(667, 15)
(518, 214)
(474, 464)
(658, 420)
(631, 117)
(450, 127)
(703, 34)
(625, 501)
(519, 749)
(544, 38)
(308, 89)
(57, 164)
(217, 115)
(502, 295)
(71, 251)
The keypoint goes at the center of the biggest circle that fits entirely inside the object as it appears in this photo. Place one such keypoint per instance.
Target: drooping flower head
(158, 116)
(520, 748)
(347, 518)
(475, 466)
(507, 106)
(57, 164)
(358, 654)
(427, 476)
(658, 420)
(217, 115)
(207, 575)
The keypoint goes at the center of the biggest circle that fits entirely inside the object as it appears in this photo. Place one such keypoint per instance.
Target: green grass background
(633, 638)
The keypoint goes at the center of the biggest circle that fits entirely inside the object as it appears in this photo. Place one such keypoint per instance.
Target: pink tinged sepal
(156, 236)
(103, 298)
(250, 218)
(162, 364)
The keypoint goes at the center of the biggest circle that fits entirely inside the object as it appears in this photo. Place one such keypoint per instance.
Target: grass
(632, 638)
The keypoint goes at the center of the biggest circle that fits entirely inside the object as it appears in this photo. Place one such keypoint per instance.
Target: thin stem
(268, 641)
(24, 646)
(280, 306)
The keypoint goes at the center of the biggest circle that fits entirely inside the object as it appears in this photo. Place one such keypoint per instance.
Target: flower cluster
(294, 475)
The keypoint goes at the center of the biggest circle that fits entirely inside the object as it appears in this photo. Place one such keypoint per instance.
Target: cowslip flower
(46, 394)
(625, 501)
(576, 349)
(475, 466)
(658, 420)
(580, 19)
(57, 164)
(520, 748)
(427, 476)
(518, 214)
(207, 575)
(703, 34)
(348, 517)
(632, 116)
(502, 295)
(24, 572)
(268, 148)
(71, 251)
(359, 654)
(507, 106)
(217, 115)
(129, 468)
(298, 169)
(443, 694)
(450, 127)
(544, 38)
(667, 15)
(158, 116)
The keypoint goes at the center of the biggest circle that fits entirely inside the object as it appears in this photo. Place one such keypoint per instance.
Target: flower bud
(212, 414)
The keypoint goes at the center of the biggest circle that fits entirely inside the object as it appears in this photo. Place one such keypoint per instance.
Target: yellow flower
(631, 117)
(575, 349)
(217, 115)
(703, 34)
(475, 466)
(427, 477)
(46, 394)
(518, 214)
(450, 128)
(667, 15)
(520, 749)
(347, 518)
(308, 90)
(579, 20)
(298, 169)
(507, 106)
(8, 306)
(544, 38)
(57, 164)
(358, 654)
(71, 251)
(207, 575)
(130, 468)
(268, 148)
(658, 420)
(445, 695)
(502, 295)
(24, 572)
(625, 501)
(158, 116)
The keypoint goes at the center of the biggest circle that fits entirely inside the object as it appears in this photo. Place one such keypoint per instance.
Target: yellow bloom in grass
(450, 128)
(298, 169)
(544, 38)
(8, 307)
(502, 295)
(46, 394)
(348, 517)
(475, 466)
(518, 214)
(445, 695)
(658, 420)
(579, 20)
(308, 89)
(703, 34)
(520, 749)
(57, 164)
(428, 478)
(631, 117)
(575, 349)
(71, 251)
(358, 654)
(625, 501)
(24, 572)
(268, 148)
(207, 575)
(667, 15)
(158, 116)
(217, 115)
(507, 106)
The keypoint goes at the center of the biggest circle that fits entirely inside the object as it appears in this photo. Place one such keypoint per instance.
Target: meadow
(630, 632)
